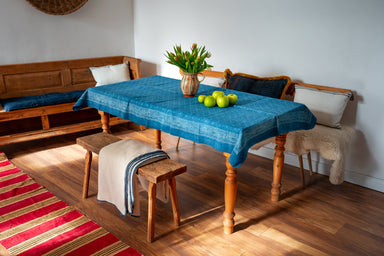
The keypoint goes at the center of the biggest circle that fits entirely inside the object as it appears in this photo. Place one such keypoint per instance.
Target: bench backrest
(56, 76)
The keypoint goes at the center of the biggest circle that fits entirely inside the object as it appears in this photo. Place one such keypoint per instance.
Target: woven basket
(57, 7)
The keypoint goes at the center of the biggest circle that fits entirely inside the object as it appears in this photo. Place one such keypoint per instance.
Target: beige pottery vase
(190, 83)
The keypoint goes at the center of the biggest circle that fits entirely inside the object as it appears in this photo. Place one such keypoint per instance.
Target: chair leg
(177, 144)
(310, 166)
(302, 171)
(175, 205)
(151, 211)
(310, 163)
(87, 170)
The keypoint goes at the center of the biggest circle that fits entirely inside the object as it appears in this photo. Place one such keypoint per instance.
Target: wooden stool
(155, 172)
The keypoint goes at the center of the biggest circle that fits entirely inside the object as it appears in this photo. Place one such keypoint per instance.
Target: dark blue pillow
(40, 100)
(274, 87)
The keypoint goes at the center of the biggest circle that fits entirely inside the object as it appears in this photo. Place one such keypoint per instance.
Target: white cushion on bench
(110, 74)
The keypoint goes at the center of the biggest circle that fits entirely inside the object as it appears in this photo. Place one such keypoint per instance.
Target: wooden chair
(155, 172)
(331, 142)
(209, 73)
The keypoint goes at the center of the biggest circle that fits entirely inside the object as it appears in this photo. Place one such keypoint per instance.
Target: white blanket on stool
(117, 178)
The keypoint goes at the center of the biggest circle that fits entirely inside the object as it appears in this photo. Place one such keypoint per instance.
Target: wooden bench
(18, 80)
(156, 172)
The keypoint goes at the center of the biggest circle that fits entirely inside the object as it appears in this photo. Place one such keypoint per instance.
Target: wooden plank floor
(323, 219)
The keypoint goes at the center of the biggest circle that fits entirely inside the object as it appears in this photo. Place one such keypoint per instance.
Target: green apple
(215, 94)
(201, 98)
(232, 98)
(209, 101)
(222, 101)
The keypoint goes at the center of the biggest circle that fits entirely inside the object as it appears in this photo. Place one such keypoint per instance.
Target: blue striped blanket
(117, 179)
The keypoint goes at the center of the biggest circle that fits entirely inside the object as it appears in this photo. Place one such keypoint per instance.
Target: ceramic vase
(190, 83)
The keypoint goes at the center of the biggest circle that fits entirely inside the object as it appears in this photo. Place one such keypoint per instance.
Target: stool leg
(151, 211)
(87, 170)
(175, 205)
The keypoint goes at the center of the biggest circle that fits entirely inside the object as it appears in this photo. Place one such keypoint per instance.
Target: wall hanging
(57, 7)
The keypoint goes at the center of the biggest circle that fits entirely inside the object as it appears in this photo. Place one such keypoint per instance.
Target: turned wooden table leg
(230, 197)
(158, 139)
(105, 121)
(278, 163)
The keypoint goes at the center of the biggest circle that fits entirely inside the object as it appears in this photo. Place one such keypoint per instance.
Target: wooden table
(157, 102)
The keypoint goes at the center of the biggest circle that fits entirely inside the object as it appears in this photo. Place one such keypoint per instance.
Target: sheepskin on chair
(331, 143)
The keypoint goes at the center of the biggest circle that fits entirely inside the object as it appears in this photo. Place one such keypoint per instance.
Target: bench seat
(34, 101)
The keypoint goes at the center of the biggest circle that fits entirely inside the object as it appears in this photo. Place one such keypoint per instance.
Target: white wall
(99, 28)
(335, 43)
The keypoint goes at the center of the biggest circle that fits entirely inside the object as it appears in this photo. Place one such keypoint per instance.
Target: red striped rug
(33, 221)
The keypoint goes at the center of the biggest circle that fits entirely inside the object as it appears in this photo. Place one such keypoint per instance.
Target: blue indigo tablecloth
(157, 102)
